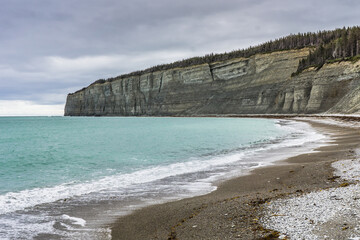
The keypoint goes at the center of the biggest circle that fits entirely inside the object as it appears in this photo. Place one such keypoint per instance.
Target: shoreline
(233, 210)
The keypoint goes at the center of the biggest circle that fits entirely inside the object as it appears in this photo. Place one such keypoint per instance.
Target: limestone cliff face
(256, 85)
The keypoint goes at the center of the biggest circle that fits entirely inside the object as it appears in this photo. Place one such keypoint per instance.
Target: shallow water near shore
(63, 177)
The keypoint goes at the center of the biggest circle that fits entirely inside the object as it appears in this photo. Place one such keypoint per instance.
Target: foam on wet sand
(332, 213)
(239, 208)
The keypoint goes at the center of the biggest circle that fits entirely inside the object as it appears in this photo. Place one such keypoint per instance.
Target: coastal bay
(233, 211)
(180, 120)
(83, 173)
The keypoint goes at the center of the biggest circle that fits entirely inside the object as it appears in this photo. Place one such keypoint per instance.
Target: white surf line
(75, 220)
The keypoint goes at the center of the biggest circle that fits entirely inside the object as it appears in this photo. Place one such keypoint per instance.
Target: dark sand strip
(233, 210)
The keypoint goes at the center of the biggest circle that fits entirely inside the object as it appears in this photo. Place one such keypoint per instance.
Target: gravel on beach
(332, 213)
(270, 203)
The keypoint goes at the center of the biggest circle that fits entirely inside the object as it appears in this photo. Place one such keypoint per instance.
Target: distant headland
(298, 74)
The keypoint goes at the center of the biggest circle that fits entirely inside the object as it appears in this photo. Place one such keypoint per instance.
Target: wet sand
(233, 210)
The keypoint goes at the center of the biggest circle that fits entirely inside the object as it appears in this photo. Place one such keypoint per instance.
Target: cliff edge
(259, 84)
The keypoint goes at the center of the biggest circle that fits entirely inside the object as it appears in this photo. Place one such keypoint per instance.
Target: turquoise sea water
(46, 161)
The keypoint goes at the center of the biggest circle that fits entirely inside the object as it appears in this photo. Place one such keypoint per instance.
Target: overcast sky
(49, 48)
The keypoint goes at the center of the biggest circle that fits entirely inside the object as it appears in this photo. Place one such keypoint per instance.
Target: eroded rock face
(256, 85)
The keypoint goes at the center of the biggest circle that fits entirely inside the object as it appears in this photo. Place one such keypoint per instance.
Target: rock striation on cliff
(260, 84)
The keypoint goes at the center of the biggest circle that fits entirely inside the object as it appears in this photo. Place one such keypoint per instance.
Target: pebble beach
(309, 196)
(332, 213)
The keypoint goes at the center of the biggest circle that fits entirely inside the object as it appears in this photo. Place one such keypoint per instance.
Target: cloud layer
(28, 108)
(50, 48)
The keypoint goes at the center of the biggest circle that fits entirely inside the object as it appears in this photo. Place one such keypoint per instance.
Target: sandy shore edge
(234, 209)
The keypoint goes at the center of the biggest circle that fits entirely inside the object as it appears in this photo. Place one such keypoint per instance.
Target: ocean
(70, 177)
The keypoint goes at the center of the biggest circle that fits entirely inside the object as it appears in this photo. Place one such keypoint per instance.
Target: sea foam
(49, 209)
(302, 134)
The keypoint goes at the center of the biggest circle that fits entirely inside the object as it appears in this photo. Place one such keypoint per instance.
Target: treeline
(339, 43)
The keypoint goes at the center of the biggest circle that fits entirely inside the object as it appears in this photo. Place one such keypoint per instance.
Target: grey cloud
(142, 31)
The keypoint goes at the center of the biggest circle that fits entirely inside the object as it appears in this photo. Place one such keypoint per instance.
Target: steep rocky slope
(259, 84)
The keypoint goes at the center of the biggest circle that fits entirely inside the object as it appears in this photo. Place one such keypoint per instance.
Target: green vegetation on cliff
(338, 44)
(333, 46)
